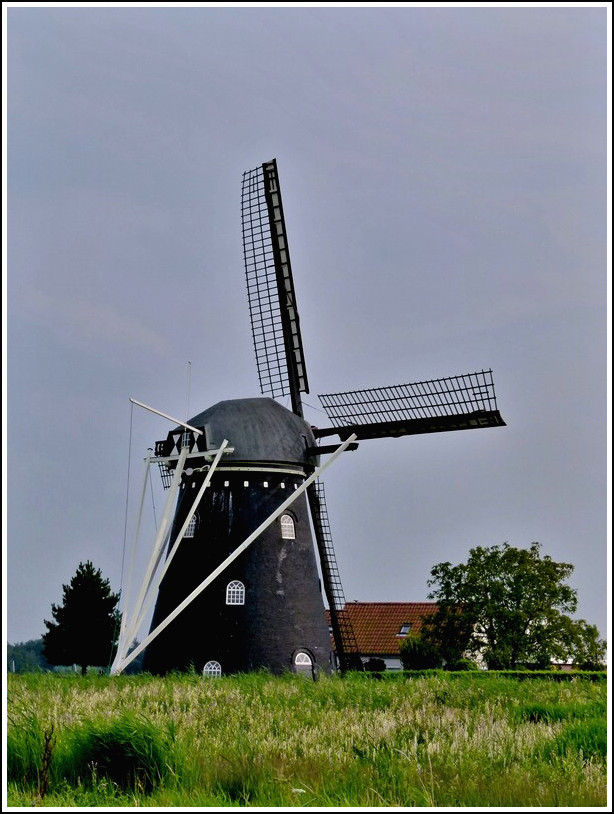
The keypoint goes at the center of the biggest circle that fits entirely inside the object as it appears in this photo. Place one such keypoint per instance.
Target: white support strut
(165, 415)
(127, 597)
(119, 667)
(154, 585)
(158, 548)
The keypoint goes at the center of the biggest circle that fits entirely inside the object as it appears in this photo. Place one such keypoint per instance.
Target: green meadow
(440, 739)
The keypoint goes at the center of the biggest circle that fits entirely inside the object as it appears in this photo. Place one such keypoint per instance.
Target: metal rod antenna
(119, 666)
(187, 400)
(164, 415)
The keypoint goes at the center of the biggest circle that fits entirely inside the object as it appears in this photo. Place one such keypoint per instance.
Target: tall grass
(259, 740)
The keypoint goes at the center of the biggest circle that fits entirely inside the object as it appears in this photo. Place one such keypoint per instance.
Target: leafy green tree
(418, 653)
(508, 605)
(26, 657)
(587, 651)
(449, 633)
(87, 623)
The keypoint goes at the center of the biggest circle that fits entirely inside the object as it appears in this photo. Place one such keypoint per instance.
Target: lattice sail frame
(270, 288)
(456, 402)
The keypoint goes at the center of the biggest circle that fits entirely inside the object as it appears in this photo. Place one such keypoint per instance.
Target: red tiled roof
(376, 624)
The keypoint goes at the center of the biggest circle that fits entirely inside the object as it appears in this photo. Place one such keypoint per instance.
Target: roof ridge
(391, 602)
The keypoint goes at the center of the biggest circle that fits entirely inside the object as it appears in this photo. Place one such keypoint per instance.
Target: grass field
(454, 740)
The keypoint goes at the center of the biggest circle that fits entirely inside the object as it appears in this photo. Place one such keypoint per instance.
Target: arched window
(235, 593)
(212, 669)
(287, 527)
(302, 659)
(191, 527)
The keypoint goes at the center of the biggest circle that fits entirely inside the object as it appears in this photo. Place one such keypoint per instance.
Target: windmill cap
(258, 429)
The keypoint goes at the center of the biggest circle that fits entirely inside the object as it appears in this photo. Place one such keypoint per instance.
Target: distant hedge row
(551, 675)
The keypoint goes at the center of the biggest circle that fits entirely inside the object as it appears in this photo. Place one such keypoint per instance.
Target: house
(380, 627)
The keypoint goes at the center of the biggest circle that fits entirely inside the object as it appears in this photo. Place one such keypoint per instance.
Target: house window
(212, 669)
(405, 628)
(287, 527)
(235, 593)
(191, 527)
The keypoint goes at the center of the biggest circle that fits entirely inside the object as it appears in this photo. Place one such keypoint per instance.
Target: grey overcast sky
(444, 176)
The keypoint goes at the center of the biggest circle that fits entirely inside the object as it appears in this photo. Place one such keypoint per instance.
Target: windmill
(240, 588)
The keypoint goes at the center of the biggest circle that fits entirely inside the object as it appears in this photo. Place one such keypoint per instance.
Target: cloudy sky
(444, 178)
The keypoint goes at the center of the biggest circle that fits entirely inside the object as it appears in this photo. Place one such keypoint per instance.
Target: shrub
(461, 664)
(127, 750)
(418, 654)
(374, 665)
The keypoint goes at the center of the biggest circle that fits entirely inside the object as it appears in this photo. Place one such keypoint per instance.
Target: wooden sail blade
(417, 426)
(270, 288)
(440, 405)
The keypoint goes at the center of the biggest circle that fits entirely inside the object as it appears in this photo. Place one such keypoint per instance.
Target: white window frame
(212, 669)
(191, 527)
(288, 530)
(235, 593)
(303, 659)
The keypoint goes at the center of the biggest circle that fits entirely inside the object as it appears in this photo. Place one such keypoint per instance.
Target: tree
(508, 605)
(418, 653)
(448, 632)
(587, 650)
(86, 625)
(26, 657)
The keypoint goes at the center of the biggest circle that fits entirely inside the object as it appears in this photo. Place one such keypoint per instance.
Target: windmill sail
(270, 288)
(279, 352)
(342, 630)
(440, 405)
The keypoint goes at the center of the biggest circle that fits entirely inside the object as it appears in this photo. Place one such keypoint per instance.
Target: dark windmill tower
(240, 588)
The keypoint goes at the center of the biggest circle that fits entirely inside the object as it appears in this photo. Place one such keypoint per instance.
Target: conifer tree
(86, 624)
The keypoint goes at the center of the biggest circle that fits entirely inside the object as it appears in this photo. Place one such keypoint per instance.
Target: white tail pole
(164, 415)
(126, 599)
(117, 668)
(158, 542)
(137, 616)
(186, 522)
